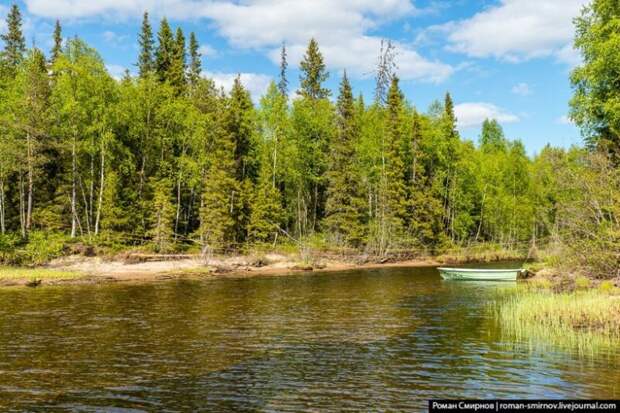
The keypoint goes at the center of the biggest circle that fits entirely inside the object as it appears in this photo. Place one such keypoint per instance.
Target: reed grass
(9, 273)
(588, 321)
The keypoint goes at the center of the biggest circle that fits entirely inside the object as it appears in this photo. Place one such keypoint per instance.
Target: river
(380, 339)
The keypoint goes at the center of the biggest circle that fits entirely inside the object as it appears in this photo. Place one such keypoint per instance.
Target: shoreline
(94, 270)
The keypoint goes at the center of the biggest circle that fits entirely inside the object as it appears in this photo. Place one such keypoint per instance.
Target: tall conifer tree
(57, 48)
(239, 124)
(343, 204)
(146, 62)
(165, 51)
(195, 66)
(220, 204)
(313, 74)
(14, 42)
(392, 201)
(178, 66)
(283, 81)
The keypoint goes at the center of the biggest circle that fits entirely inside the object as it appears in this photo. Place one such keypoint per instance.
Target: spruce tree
(162, 215)
(239, 124)
(195, 66)
(392, 201)
(178, 66)
(266, 213)
(313, 74)
(451, 142)
(283, 81)
(220, 202)
(57, 48)
(146, 63)
(449, 119)
(343, 205)
(14, 42)
(165, 51)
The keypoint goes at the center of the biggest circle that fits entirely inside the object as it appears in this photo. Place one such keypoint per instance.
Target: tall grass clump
(588, 321)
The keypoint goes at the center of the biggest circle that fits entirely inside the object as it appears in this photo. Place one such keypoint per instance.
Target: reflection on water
(385, 339)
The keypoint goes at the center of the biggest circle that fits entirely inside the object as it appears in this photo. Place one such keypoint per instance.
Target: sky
(504, 59)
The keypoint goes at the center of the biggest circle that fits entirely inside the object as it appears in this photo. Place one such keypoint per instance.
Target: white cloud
(341, 27)
(207, 50)
(114, 39)
(564, 120)
(569, 55)
(472, 114)
(116, 71)
(74, 9)
(256, 83)
(521, 89)
(516, 30)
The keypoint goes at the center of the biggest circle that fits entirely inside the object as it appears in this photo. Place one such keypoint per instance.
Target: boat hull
(472, 274)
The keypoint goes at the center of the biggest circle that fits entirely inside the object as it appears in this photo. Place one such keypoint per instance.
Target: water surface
(385, 339)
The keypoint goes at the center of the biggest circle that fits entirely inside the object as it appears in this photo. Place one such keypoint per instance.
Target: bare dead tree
(386, 70)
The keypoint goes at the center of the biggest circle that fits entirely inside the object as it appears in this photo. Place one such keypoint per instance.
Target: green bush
(606, 286)
(43, 247)
(582, 282)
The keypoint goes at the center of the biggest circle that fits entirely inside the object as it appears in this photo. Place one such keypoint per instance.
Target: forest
(166, 160)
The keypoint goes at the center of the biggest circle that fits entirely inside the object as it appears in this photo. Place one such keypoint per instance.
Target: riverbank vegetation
(166, 161)
(586, 319)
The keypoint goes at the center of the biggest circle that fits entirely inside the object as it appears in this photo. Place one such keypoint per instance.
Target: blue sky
(506, 59)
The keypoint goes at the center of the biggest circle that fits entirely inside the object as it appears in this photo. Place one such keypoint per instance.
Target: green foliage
(606, 287)
(392, 200)
(164, 54)
(42, 247)
(595, 106)
(178, 65)
(267, 213)
(313, 74)
(492, 137)
(283, 81)
(195, 65)
(14, 42)
(166, 160)
(146, 63)
(582, 282)
(57, 48)
(162, 213)
(344, 208)
(38, 249)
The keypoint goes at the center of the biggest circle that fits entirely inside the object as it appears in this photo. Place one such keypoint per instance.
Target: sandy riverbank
(83, 270)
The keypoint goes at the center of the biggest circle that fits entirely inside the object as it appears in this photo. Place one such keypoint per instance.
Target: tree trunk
(91, 192)
(2, 225)
(190, 210)
(484, 196)
(73, 188)
(30, 183)
(86, 205)
(101, 188)
(22, 207)
(275, 161)
(141, 190)
(178, 212)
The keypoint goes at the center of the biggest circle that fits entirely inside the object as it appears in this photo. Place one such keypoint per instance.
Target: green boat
(477, 274)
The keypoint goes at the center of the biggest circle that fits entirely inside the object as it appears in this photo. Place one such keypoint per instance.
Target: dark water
(381, 340)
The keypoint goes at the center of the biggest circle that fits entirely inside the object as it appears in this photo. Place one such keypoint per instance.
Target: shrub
(42, 247)
(582, 282)
(606, 286)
